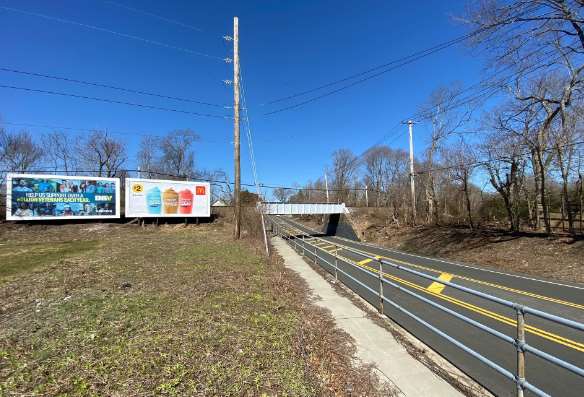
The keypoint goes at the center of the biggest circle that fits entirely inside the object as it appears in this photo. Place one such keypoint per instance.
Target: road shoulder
(375, 345)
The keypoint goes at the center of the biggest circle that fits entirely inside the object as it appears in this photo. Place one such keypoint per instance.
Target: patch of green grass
(23, 257)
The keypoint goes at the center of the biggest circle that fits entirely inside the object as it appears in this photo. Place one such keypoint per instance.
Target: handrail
(526, 309)
(281, 229)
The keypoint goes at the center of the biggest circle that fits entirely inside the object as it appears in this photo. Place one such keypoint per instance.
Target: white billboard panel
(155, 198)
(41, 197)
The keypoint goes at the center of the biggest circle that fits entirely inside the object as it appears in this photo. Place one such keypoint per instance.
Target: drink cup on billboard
(154, 201)
(170, 200)
(185, 201)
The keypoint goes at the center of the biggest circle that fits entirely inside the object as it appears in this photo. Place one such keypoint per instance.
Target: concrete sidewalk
(374, 344)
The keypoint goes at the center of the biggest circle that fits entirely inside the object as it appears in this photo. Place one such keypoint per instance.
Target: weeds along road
(561, 299)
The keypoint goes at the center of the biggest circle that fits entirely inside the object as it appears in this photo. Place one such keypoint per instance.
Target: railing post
(380, 286)
(315, 262)
(336, 267)
(519, 342)
(303, 244)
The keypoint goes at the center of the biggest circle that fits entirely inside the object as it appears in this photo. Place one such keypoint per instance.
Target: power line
(249, 135)
(84, 129)
(106, 100)
(270, 186)
(396, 64)
(497, 86)
(501, 158)
(365, 72)
(354, 83)
(151, 14)
(121, 171)
(102, 85)
(125, 35)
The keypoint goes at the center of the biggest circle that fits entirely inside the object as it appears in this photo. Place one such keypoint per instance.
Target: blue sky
(285, 47)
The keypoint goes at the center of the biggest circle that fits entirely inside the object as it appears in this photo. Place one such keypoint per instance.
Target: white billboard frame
(127, 208)
(11, 176)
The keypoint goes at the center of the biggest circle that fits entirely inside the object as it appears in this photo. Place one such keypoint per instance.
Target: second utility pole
(412, 175)
(236, 154)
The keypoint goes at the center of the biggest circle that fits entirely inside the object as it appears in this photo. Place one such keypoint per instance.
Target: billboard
(160, 198)
(40, 197)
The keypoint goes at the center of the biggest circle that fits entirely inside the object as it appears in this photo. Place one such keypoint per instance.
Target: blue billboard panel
(39, 197)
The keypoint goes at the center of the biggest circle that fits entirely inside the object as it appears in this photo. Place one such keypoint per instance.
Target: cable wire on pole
(390, 66)
(153, 15)
(102, 85)
(114, 101)
(113, 32)
(249, 134)
(86, 129)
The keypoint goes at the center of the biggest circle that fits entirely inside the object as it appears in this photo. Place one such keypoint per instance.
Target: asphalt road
(562, 299)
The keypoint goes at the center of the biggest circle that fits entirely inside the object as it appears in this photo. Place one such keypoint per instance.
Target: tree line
(101, 154)
(524, 159)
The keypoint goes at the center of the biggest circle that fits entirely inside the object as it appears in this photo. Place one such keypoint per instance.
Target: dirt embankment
(560, 258)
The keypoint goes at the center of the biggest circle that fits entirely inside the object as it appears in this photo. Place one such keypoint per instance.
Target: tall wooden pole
(236, 154)
(412, 171)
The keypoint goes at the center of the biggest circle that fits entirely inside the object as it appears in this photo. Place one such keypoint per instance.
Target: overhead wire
(86, 129)
(249, 135)
(113, 32)
(365, 72)
(114, 101)
(121, 171)
(396, 64)
(153, 15)
(81, 129)
(500, 158)
(118, 88)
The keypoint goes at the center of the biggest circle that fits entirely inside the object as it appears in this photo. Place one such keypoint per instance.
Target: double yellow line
(477, 309)
(435, 290)
(481, 282)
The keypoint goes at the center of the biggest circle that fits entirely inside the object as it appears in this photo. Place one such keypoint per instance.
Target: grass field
(103, 309)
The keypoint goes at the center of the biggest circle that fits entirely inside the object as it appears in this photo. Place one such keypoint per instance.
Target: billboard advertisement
(160, 198)
(40, 197)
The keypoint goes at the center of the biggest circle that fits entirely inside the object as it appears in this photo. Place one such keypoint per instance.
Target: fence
(309, 245)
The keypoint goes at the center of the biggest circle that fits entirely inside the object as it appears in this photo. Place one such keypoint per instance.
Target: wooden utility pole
(236, 154)
(412, 172)
(326, 186)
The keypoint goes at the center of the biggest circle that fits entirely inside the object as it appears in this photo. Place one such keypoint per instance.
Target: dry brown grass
(105, 309)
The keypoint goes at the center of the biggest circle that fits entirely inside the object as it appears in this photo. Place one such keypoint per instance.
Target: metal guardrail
(519, 378)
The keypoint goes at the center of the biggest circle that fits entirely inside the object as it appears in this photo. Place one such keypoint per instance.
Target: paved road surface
(559, 298)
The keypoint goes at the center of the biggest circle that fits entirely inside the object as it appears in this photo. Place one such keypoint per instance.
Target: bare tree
(542, 44)
(345, 164)
(148, 156)
(18, 151)
(460, 158)
(383, 167)
(102, 154)
(505, 166)
(565, 137)
(446, 118)
(221, 186)
(177, 153)
(282, 194)
(60, 152)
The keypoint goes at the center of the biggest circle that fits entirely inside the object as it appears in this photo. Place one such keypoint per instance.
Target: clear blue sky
(285, 47)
